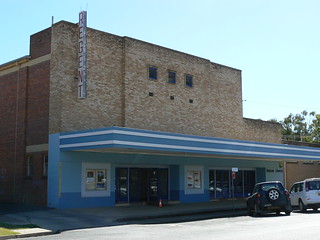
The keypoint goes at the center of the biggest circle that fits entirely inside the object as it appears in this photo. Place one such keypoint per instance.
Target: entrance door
(141, 184)
(122, 191)
(158, 184)
(138, 182)
(163, 183)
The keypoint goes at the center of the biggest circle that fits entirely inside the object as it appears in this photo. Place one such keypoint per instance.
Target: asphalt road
(270, 227)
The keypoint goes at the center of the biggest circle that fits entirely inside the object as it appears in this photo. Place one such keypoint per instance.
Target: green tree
(304, 126)
(315, 135)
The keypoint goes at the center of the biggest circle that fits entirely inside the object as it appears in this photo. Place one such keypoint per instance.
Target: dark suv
(270, 197)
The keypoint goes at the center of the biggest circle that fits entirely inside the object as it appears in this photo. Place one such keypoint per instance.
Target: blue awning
(137, 139)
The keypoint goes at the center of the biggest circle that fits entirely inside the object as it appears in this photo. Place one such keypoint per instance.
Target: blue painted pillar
(53, 171)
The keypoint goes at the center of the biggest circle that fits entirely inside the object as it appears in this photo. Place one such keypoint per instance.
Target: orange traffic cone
(160, 203)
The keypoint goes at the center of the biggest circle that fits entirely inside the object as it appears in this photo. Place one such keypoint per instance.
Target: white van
(306, 194)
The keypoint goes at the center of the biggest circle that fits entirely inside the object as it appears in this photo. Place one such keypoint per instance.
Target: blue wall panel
(74, 200)
(53, 170)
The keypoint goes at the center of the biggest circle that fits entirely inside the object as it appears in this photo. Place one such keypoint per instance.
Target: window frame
(95, 184)
(155, 72)
(187, 78)
(174, 81)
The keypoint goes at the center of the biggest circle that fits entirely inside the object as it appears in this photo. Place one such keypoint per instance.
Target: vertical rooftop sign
(82, 55)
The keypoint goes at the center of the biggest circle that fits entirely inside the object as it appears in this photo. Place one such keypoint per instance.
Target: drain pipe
(16, 132)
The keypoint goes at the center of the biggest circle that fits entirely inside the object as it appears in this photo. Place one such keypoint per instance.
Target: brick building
(155, 123)
(24, 125)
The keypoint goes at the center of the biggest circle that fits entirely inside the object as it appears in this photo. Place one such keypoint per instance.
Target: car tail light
(258, 195)
(307, 184)
(288, 194)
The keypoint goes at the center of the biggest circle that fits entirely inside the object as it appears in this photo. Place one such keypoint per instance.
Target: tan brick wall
(298, 171)
(118, 90)
(102, 107)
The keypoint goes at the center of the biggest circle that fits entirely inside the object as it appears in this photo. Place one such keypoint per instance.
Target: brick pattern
(40, 43)
(298, 171)
(102, 107)
(118, 94)
(24, 121)
(119, 90)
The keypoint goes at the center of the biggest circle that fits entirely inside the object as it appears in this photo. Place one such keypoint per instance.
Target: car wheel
(287, 212)
(273, 194)
(315, 209)
(278, 212)
(302, 207)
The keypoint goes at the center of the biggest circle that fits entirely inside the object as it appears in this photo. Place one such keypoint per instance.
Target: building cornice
(25, 61)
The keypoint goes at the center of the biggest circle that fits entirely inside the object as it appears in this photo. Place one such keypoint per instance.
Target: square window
(172, 77)
(153, 73)
(189, 80)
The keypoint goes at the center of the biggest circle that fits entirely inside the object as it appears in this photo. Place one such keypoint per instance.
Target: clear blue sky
(276, 43)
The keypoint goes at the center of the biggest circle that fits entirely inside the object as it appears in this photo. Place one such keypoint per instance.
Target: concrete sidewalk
(56, 220)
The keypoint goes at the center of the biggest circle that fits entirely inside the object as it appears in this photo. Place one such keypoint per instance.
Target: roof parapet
(15, 62)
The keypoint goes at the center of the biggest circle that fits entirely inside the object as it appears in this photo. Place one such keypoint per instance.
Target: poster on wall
(90, 182)
(190, 179)
(197, 179)
(194, 179)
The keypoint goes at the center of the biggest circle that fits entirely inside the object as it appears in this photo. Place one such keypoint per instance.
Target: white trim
(105, 132)
(178, 147)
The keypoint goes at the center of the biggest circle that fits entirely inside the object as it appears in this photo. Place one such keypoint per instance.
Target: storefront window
(96, 179)
(249, 180)
(238, 184)
(220, 183)
(212, 183)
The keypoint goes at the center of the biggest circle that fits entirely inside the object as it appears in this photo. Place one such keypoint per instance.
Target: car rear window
(314, 185)
(267, 186)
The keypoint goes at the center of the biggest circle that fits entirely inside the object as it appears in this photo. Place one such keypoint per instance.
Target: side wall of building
(103, 104)
(298, 170)
(24, 123)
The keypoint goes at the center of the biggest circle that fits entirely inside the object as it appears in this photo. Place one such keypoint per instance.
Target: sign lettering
(82, 55)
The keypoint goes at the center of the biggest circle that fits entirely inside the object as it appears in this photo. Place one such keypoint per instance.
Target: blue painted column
(53, 171)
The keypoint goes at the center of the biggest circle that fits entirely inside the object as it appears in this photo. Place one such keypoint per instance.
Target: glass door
(163, 183)
(222, 184)
(158, 184)
(122, 185)
(153, 184)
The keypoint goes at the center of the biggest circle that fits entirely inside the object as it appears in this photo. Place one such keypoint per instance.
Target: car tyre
(256, 211)
(302, 207)
(287, 210)
(273, 194)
